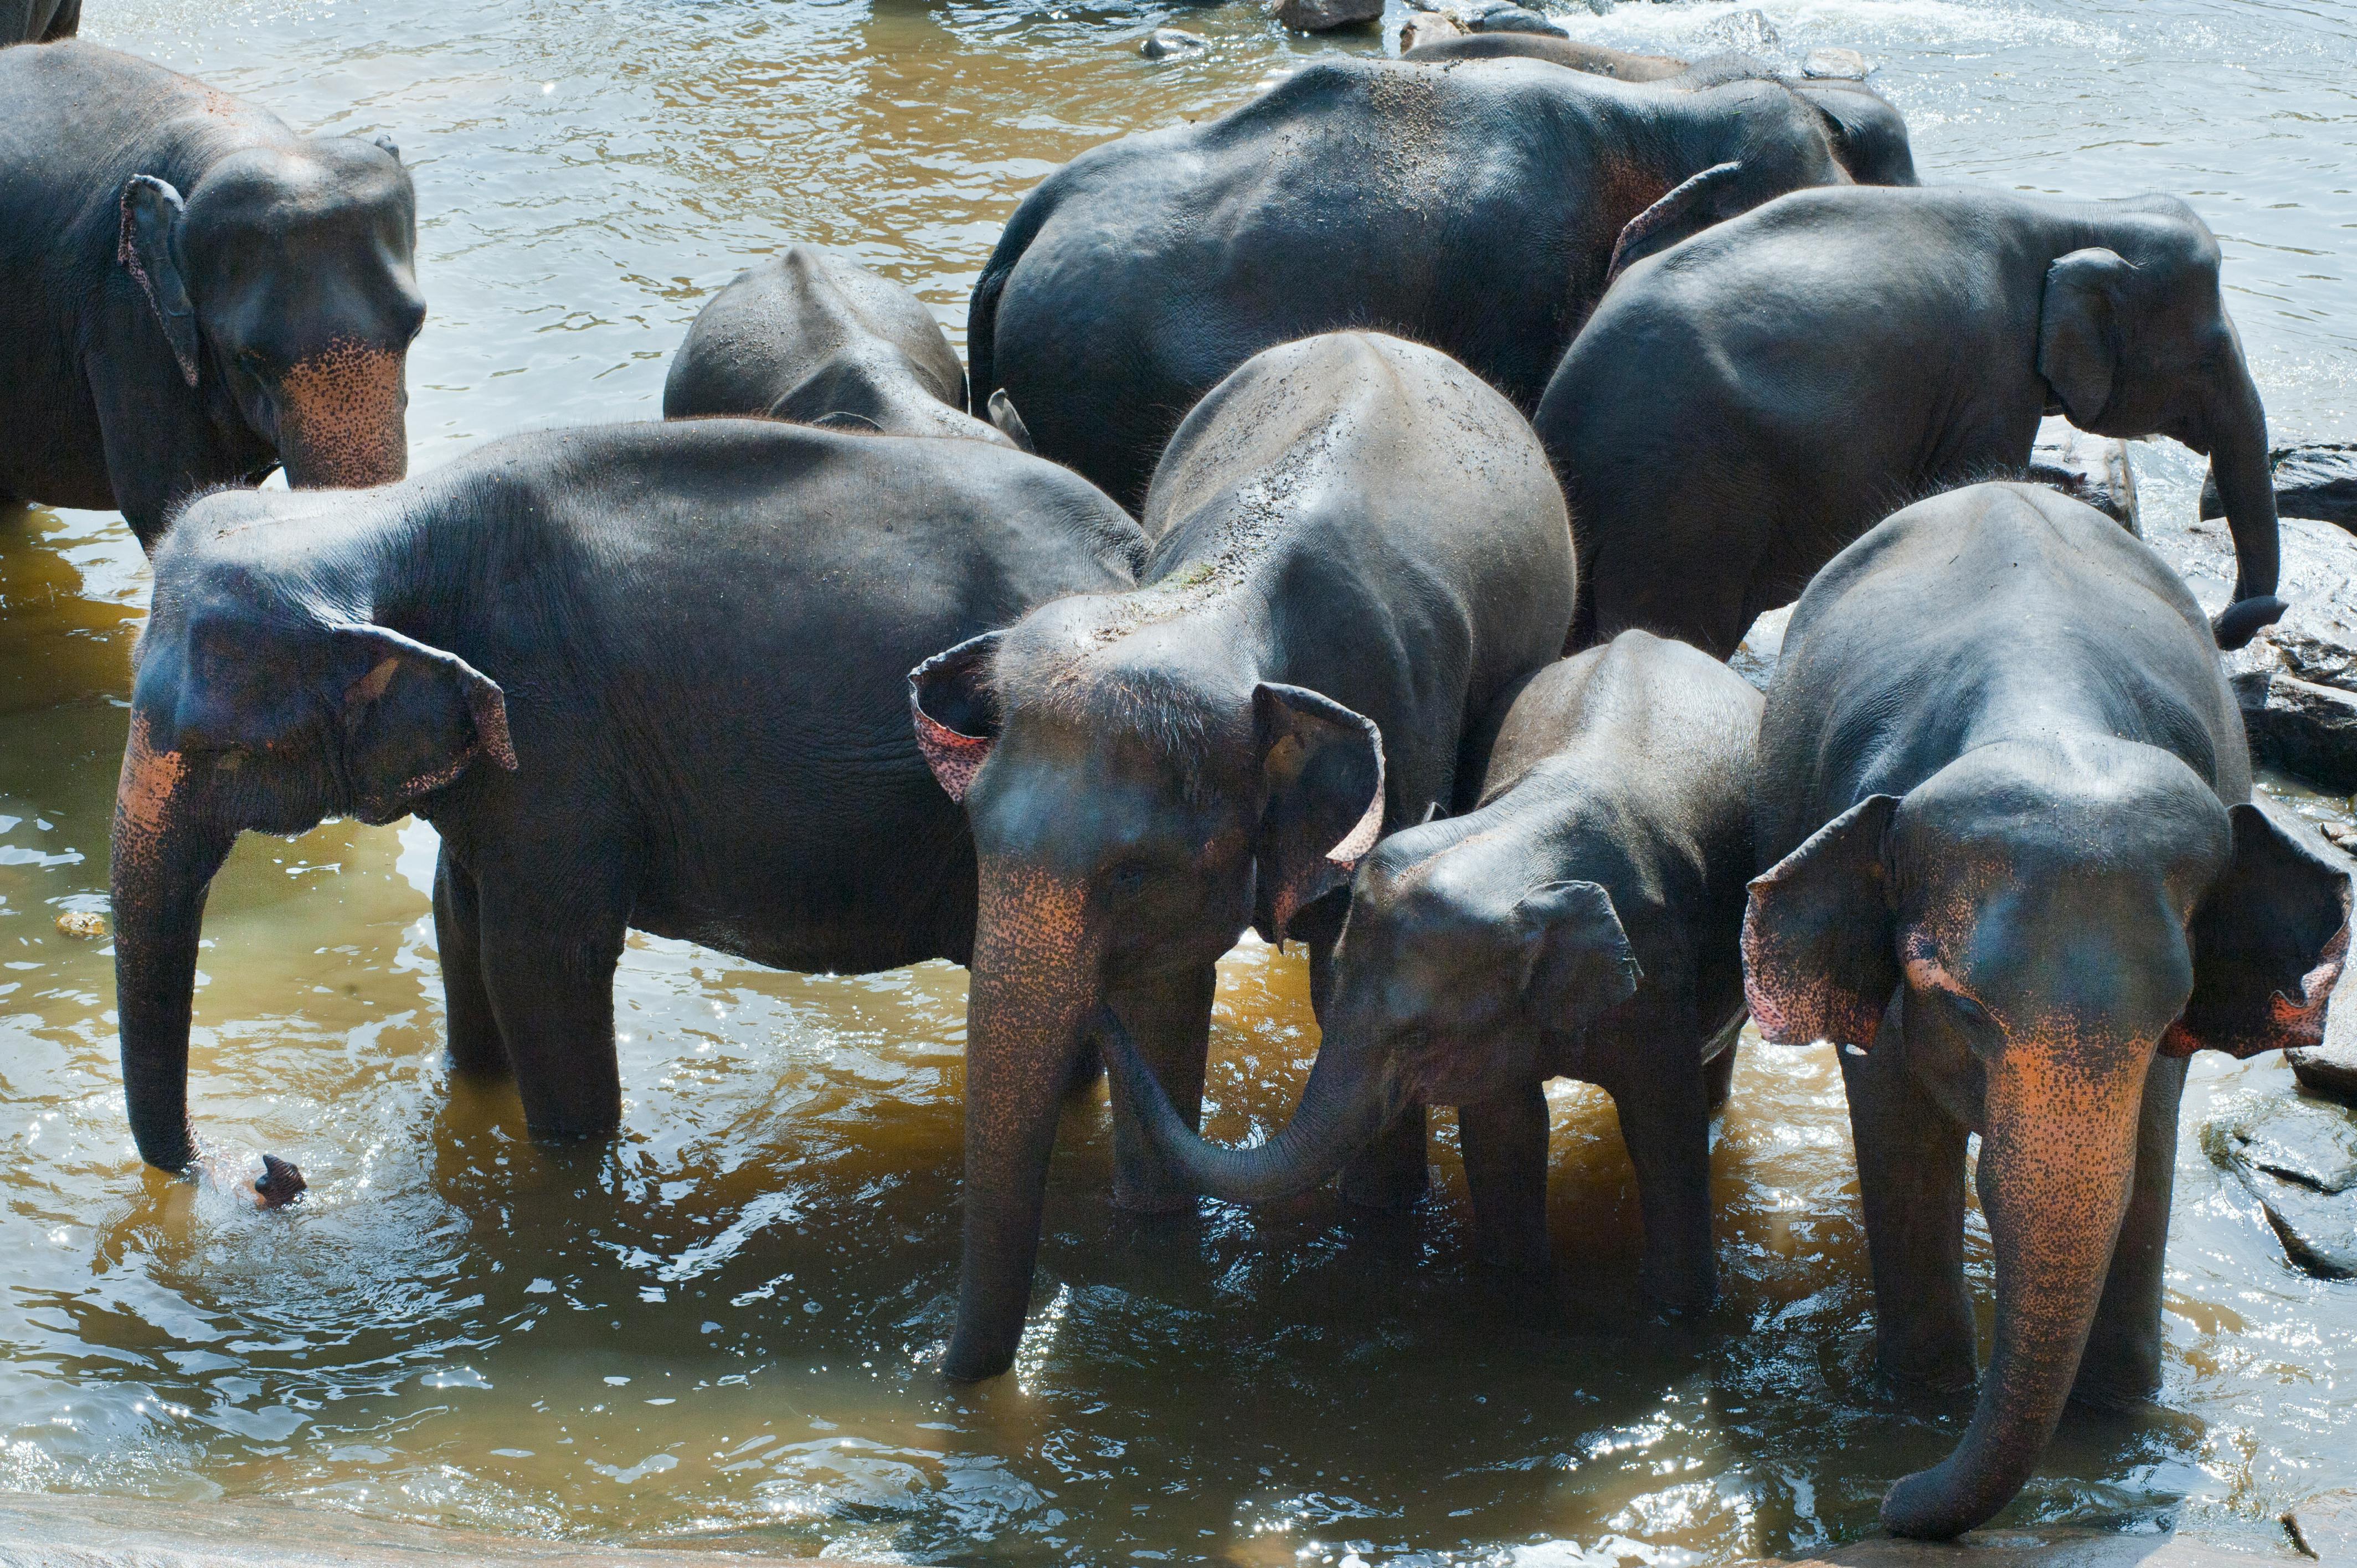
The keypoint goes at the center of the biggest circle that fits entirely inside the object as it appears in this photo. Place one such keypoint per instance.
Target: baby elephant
(1582, 921)
(812, 338)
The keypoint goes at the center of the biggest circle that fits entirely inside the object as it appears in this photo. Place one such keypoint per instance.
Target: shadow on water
(716, 1327)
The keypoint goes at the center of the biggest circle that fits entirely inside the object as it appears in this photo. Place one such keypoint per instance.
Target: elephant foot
(1385, 1190)
(1687, 1298)
(1939, 1376)
(1152, 1192)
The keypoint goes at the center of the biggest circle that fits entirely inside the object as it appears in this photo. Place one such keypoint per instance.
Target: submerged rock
(2299, 1158)
(1164, 42)
(1841, 65)
(2317, 481)
(1428, 27)
(1325, 15)
(80, 923)
(2091, 468)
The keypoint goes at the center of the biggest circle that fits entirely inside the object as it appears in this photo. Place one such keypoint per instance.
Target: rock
(80, 923)
(2297, 681)
(2330, 1070)
(2091, 468)
(2299, 1158)
(2325, 1528)
(1842, 65)
(1502, 18)
(1325, 15)
(1749, 31)
(1428, 27)
(1755, 656)
(2317, 481)
(1164, 42)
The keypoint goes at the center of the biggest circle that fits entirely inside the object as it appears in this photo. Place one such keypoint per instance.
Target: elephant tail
(982, 309)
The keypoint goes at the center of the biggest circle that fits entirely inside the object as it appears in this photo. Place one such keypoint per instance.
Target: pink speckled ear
(954, 712)
(1323, 765)
(1819, 958)
(2269, 939)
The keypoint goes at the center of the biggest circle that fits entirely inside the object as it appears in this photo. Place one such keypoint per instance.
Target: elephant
(1357, 547)
(39, 21)
(1475, 206)
(1870, 135)
(1582, 920)
(640, 676)
(1848, 349)
(190, 294)
(2013, 869)
(814, 339)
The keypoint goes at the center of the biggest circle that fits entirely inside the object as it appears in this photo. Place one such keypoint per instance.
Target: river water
(716, 1328)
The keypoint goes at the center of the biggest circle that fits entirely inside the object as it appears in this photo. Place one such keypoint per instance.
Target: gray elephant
(1844, 349)
(1357, 548)
(637, 676)
(39, 21)
(190, 294)
(1582, 920)
(816, 339)
(2014, 869)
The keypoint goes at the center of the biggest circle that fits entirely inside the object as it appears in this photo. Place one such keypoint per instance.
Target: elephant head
(1453, 963)
(1136, 800)
(2049, 916)
(2134, 340)
(255, 705)
(287, 273)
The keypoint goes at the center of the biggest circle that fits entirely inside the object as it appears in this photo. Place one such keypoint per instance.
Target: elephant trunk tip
(280, 1184)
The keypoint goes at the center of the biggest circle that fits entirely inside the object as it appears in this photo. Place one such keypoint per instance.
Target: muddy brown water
(716, 1328)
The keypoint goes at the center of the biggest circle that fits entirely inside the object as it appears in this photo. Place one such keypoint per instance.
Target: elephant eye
(1126, 880)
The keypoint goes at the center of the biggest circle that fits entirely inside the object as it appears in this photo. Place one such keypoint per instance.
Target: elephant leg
(1504, 1142)
(2121, 1362)
(1169, 1017)
(476, 1049)
(549, 954)
(1910, 1179)
(1664, 1113)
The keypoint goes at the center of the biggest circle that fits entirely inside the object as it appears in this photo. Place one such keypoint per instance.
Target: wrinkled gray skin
(2004, 799)
(1581, 921)
(39, 21)
(1357, 548)
(1846, 349)
(814, 339)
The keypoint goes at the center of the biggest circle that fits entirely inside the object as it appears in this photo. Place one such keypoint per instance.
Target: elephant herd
(1340, 534)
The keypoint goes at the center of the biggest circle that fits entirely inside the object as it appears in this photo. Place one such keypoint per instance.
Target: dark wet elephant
(1473, 206)
(816, 339)
(1582, 920)
(39, 21)
(1846, 349)
(646, 676)
(190, 294)
(1869, 135)
(2017, 873)
(1357, 548)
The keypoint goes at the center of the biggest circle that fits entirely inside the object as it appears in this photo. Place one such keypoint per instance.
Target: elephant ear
(414, 717)
(2078, 331)
(2269, 939)
(1577, 963)
(1819, 934)
(1323, 765)
(1690, 207)
(955, 711)
(149, 248)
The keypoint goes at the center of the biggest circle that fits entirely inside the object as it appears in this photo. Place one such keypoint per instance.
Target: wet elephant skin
(1474, 206)
(1847, 350)
(190, 294)
(640, 676)
(1582, 920)
(1357, 548)
(811, 338)
(2003, 797)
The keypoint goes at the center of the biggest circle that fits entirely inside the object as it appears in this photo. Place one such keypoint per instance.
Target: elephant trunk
(1034, 984)
(342, 419)
(2057, 1169)
(166, 851)
(2237, 431)
(1345, 1103)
